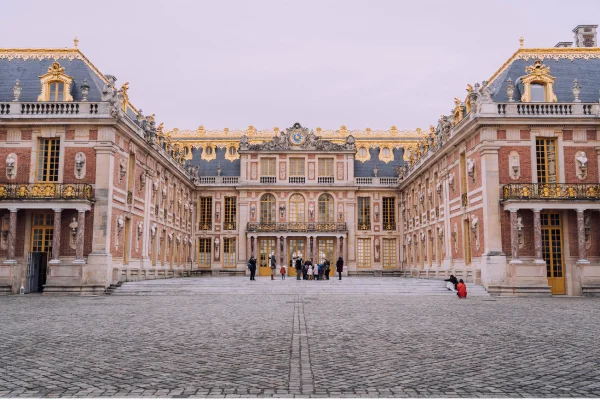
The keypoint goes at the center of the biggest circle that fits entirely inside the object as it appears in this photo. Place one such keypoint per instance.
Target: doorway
(552, 251)
(42, 233)
(326, 253)
(265, 247)
(296, 250)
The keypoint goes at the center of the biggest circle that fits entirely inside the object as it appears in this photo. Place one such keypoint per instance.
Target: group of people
(304, 270)
(458, 286)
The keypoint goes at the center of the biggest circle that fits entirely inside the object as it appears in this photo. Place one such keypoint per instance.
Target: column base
(515, 262)
(54, 262)
(582, 262)
(10, 262)
(539, 262)
(79, 262)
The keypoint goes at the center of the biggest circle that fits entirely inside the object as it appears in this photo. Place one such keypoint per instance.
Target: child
(310, 272)
(282, 272)
(316, 272)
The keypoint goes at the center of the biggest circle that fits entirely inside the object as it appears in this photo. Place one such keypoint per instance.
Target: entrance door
(326, 253)
(552, 251)
(266, 247)
(42, 232)
(296, 249)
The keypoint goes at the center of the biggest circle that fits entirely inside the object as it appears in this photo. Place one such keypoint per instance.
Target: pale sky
(272, 63)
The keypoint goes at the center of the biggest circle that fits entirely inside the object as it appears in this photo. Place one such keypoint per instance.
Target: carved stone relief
(475, 230)
(73, 233)
(80, 165)
(253, 171)
(471, 168)
(340, 212)
(581, 164)
(340, 171)
(282, 171)
(520, 227)
(122, 170)
(514, 165)
(311, 171)
(377, 248)
(11, 166)
(451, 181)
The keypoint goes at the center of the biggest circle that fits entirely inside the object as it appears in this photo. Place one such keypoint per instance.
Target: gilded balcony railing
(229, 226)
(296, 227)
(551, 191)
(42, 191)
(205, 226)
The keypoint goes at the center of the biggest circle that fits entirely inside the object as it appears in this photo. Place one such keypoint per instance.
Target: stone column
(581, 237)
(514, 238)
(56, 237)
(12, 237)
(80, 237)
(537, 237)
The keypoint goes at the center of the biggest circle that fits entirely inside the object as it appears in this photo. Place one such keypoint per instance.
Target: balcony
(204, 226)
(547, 109)
(374, 181)
(326, 180)
(229, 226)
(46, 191)
(46, 109)
(218, 180)
(268, 179)
(296, 227)
(297, 179)
(551, 191)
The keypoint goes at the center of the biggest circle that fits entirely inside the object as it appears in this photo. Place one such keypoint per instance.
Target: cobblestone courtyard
(268, 343)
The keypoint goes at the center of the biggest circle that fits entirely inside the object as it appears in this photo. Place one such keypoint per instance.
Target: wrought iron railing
(550, 191)
(296, 227)
(229, 226)
(41, 191)
(205, 226)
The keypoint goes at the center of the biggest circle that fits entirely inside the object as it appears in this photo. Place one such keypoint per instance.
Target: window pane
(537, 92)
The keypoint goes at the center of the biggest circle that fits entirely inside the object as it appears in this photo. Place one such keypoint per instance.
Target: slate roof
(565, 70)
(209, 168)
(384, 170)
(29, 71)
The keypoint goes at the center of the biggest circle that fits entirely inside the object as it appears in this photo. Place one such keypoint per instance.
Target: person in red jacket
(461, 289)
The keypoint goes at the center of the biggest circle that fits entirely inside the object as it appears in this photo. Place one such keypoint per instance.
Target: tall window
(545, 151)
(230, 213)
(267, 208)
(42, 232)
(364, 213)
(389, 213)
(296, 166)
(57, 90)
(204, 247)
(296, 213)
(267, 167)
(229, 252)
(364, 253)
(326, 167)
(48, 160)
(326, 208)
(205, 213)
(389, 253)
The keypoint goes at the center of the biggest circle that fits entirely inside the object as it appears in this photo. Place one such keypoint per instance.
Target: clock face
(297, 137)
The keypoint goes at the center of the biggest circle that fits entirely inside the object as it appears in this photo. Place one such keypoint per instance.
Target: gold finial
(521, 40)
(76, 42)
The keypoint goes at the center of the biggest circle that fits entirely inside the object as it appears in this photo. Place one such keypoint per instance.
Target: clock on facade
(297, 137)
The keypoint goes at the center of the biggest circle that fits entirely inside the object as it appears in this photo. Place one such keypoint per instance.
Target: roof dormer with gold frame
(539, 74)
(56, 85)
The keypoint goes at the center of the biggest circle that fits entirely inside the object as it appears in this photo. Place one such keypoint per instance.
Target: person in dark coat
(452, 282)
(305, 270)
(298, 267)
(327, 268)
(273, 265)
(252, 267)
(340, 267)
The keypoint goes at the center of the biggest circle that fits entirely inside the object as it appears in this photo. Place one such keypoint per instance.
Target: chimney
(564, 44)
(585, 35)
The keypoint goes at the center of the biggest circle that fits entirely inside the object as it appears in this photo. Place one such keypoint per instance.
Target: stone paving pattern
(298, 345)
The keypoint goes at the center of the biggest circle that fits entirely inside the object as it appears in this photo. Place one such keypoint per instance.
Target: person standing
(316, 269)
(461, 290)
(273, 263)
(340, 266)
(327, 267)
(310, 272)
(282, 272)
(252, 267)
(298, 268)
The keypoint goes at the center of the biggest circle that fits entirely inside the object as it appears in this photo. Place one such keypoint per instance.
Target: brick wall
(69, 165)
(570, 165)
(525, 164)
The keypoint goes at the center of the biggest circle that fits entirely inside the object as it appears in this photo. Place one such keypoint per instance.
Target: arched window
(56, 85)
(296, 213)
(267, 208)
(326, 208)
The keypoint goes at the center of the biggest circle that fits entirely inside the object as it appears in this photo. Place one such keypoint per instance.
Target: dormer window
(56, 85)
(538, 84)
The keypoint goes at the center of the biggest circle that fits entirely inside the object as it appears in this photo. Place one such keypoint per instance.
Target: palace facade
(502, 192)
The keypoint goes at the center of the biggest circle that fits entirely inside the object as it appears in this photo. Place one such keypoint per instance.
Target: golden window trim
(383, 158)
(539, 74)
(208, 157)
(367, 155)
(55, 73)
